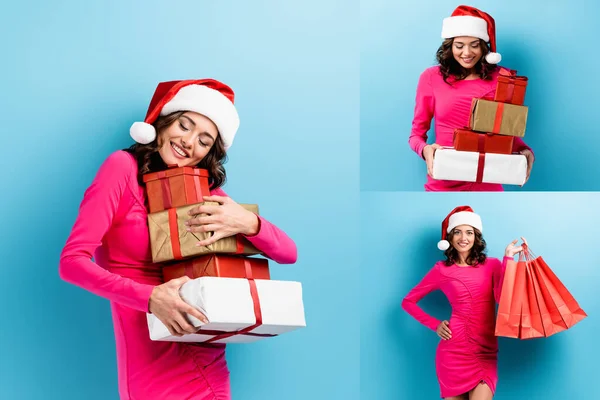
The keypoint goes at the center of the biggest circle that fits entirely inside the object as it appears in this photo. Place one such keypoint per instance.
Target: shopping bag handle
(526, 254)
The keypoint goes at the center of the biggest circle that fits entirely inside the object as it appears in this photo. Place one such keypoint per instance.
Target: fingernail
(188, 229)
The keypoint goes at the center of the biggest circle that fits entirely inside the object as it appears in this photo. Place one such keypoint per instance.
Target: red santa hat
(462, 215)
(208, 97)
(469, 21)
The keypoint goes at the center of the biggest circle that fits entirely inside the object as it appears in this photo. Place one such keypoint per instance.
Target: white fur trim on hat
(212, 104)
(493, 58)
(142, 132)
(464, 218)
(465, 25)
(443, 245)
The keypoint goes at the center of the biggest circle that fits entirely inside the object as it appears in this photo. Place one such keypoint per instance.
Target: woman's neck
(462, 260)
(471, 74)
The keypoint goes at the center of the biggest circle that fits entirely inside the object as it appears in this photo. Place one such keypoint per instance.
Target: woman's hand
(530, 159)
(512, 249)
(443, 330)
(428, 153)
(168, 306)
(226, 219)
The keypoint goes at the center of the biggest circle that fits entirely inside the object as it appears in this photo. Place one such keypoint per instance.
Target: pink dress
(470, 355)
(112, 227)
(450, 106)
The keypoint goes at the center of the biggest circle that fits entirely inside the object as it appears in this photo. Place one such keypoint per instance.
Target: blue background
(551, 42)
(75, 75)
(401, 231)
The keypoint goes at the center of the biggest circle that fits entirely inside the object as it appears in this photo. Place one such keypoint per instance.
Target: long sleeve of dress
(519, 145)
(97, 210)
(423, 114)
(271, 240)
(498, 277)
(428, 284)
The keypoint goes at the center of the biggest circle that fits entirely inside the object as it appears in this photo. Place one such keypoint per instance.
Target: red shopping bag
(564, 311)
(508, 320)
(532, 325)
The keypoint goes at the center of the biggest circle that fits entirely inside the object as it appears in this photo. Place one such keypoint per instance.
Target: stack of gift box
(230, 281)
(482, 152)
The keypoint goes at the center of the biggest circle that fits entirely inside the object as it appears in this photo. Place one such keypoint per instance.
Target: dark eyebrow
(189, 119)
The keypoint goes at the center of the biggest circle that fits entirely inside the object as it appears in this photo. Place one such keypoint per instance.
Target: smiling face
(463, 238)
(187, 140)
(467, 51)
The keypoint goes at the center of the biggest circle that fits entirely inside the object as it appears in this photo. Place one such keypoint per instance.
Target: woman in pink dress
(466, 357)
(467, 69)
(189, 123)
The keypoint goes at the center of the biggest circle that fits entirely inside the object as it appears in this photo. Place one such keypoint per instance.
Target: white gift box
(228, 305)
(508, 169)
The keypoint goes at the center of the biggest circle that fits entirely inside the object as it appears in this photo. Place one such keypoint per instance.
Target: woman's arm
(423, 114)
(269, 239)
(428, 284)
(96, 213)
(499, 269)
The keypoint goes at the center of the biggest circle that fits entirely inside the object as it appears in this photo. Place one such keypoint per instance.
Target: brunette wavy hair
(449, 67)
(149, 160)
(477, 254)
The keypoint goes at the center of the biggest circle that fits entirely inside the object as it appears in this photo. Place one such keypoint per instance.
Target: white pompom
(443, 245)
(142, 132)
(493, 58)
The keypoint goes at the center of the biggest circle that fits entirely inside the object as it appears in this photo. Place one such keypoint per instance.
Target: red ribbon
(257, 313)
(198, 187)
(480, 143)
(239, 244)
(480, 167)
(174, 233)
(508, 72)
(166, 192)
(498, 118)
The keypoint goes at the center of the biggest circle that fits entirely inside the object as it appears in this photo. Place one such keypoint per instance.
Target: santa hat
(469, 21)
(208, 97)
(462, 215)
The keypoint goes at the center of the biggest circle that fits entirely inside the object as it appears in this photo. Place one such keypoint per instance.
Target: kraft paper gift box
(237, 311)
(466, 140)
(176, 187)
(501, 118)
(170, 240)
(511, 89)
(224, 266)
(467, 166)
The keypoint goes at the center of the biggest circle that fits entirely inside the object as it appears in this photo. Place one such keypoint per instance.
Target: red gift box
(511, 88)
(466, 140)
(220, 266)
(176, 187)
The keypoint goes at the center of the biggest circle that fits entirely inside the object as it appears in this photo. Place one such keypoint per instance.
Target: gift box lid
(517, 80)
(175, 171)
